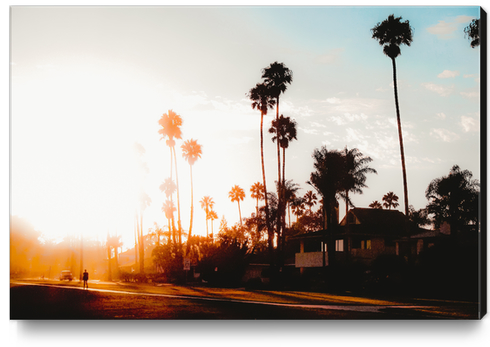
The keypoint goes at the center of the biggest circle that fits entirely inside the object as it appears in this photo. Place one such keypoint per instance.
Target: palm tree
(237, 194)
(114, 242)
(207, 204)
(390, 200)
(212, 216)
(170, 128)
(390, 34)
(310, 199)
(290, 190)
(277, 77)
(327, 179)
(356, 170)
(298, 206)
(191, 151)
(262, 100)
(168, 208)
(168, 187)
(472, 32)
(257, 192)
(376, 204)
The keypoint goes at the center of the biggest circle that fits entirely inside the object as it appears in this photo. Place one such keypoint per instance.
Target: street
(44, 299)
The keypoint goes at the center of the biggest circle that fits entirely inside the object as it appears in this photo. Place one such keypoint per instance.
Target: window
(366, 244)
(339, 245)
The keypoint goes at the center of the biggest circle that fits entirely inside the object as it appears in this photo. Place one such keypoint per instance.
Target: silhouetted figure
(85, 279)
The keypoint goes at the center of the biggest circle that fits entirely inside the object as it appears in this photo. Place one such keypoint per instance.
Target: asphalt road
(43, 299)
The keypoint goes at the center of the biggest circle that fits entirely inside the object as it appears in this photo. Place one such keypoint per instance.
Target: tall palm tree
(356, 170)
(170, 129)
(391, 33)
(191, 151)
(290, 189)
(298, 206)
(207, 204)
(237, 194)
(472, 32)
(390, 200)
(257, 192)
(277, 77)
(262, 101)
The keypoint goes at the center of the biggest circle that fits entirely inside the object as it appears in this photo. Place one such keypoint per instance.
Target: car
(66, 275)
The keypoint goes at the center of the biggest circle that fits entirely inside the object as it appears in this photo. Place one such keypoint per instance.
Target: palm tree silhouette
(207, 204)
(277, 77)
(290, 190)
(168, 187)
(262, 100)
(170, 129)
(356, 170)
(169, 208)
(257, 192)
(376, 204)
(191, 151)
(472, 32)
(212, 216)
(310, 199)
(237, 194)
(391, 33)
(390, 200)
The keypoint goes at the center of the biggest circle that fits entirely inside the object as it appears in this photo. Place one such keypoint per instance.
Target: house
(362, 236)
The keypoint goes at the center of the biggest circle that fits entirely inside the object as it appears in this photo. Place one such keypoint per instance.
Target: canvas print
(279, 162)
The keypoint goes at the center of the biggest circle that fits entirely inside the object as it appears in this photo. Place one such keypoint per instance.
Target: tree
(114, 242)
(257, 193)
(391, 33)
(237, 194)
(327, 178)
(277, 77)
(168, 187)
(262, 100)
(170, 129)
(356, 169)
(419, 217)
(390, 200)
(454, 199)
(207, 204)
(169, 208)
(472, 32)
(376, 204)
(212, 216)
(290, 190)
(310, 199)
(191, 151)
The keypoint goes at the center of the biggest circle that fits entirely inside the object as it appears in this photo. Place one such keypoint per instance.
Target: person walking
(85, 279)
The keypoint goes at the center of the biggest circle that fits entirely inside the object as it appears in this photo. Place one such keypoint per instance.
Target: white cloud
(444, 135)
(448, 74)
(471, 95)
(441, 115)
(333, 100)
(446, 29)
(470, 124)
(441, 90)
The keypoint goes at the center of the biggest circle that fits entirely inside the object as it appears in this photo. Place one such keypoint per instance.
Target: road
(44, 299)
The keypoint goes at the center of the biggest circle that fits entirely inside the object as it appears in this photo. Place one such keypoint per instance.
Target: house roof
(374, 216)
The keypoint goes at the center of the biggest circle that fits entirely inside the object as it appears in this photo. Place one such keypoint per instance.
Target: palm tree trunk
(239, 212)
(279, 181)
(178, 198)
(192, 206)
(136, 233)
(109, 262)
(207, 214)
(402, 152)
(284, 203)
(267, 221)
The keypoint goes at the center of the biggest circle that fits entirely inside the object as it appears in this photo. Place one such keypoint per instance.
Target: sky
(87, 83)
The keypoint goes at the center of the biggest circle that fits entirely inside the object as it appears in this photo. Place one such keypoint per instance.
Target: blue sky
(86, 83)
